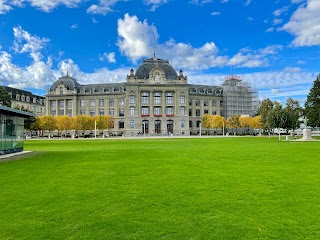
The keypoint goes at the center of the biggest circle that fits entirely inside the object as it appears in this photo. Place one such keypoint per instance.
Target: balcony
(170, 115)
(157, 115)
(145, 115)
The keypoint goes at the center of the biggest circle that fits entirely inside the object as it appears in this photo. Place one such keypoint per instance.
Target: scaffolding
(239, 98)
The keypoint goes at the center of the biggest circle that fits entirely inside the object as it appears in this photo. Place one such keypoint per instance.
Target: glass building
(12, 129)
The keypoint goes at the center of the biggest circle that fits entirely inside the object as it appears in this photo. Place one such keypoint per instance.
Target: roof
(147, 65)
(15, 91)
(68, 81)
(15, 112)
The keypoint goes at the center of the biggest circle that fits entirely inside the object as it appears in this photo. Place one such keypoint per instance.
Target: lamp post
(95, 129)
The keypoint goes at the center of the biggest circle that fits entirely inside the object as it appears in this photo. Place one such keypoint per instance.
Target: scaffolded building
(239, 98)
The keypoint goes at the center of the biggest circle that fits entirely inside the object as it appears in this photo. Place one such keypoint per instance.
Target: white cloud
(201, 2)
(74, 26)
(304, 24)
(247, 3)
(215, 13)
(300, 62)
(250, 19)
(94, 20)
(280, 11)
(4, 7)
(24, 42)
(110, 57)
(103, 7)
(277, 21)
(270, 29)
(154, 3)
(136, 39)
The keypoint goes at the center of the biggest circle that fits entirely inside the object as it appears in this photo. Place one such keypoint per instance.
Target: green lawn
(196, 188)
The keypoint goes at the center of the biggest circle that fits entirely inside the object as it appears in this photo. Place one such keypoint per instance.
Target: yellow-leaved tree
(65, 123)
(234, 123)
(245, 122)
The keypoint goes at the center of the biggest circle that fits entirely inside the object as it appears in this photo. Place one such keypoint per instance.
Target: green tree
(312, 105)
(5, 98)
(265, 107)
(294, 112)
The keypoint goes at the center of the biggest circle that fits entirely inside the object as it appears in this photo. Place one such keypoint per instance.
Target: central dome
(68, 81)
(147, 65)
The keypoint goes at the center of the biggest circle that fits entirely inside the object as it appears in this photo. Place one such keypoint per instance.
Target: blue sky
(272, 44)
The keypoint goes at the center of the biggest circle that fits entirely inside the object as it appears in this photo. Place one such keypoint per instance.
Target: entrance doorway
(157, 126)
(170, 126)
(145, 126)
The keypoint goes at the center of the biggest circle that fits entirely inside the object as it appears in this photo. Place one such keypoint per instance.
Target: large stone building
(154, 100)
(25, 100)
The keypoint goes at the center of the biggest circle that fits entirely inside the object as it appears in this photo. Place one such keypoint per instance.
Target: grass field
(197, 188)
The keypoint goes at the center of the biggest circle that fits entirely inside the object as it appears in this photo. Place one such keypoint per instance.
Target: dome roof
(68, 81)
(147, 65)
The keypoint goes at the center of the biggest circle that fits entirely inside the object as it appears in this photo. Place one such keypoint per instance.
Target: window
(182, 123)
(61, 111)
(169, 111)
(198, 124)
(101, 112)
(111, 112)
(214, 103)
(82, 103)
(157, 98)
(92, 103)
(144, 98)
(182, 99)
(190, 124)
(190, 112)
(69, 104)
(70, 112)
(17, 97)
(198, 112)
(132, 124)
(131, 99)
(197, 102)
(61, 104)
(121, 124)
(121, 102)
(145, 111)
(82, 112)
(53, 112)
(169, 98)
(205, 103)
(53, 104)
(23, 98)
(214, 112)
(121, 112)
(221, 103)
(182, 111)
(92, 112)
(190, 102)
(111, 102)
(131, 111)
(101, 102)
(157, 111)
(28, 99)
(206, 111)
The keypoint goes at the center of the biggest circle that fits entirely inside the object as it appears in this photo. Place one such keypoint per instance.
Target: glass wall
(11, 134)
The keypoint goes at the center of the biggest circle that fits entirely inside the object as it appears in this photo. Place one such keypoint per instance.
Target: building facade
(154, 100)
(25, 100)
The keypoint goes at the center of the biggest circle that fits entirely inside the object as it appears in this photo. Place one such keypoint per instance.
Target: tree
(217, 121)
(312, 105)
(294, 112)
(5, 98)
(245, 122)
(233, 122)
(64, 123)
(264, 109)
(206, 122)
(47, 123)
(278, 117)
(256, 123)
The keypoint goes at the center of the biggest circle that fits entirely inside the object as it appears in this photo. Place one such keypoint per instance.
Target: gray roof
(14, 112)
(68, 81)
(147, 65)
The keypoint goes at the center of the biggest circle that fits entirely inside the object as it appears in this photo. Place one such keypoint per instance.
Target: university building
(25, 100)
(154, 100)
